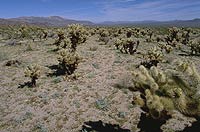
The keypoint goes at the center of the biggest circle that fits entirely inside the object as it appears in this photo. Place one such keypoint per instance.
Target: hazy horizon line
(99, 21)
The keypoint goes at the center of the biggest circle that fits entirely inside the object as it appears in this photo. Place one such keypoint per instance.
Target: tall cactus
(77, 35)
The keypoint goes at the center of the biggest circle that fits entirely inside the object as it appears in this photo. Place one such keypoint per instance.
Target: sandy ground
(58, 105)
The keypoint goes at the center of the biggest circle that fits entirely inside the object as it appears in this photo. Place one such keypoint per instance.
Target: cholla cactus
(33, 72)
(68, 61)
(195, 46)
(166, 47)
(61, 37)
(128, 45)
(62, 41)
(117, 43)
(104, 33)
(129, 33)
(177, 88)
(66, 43)
(150, 35)
(153, 57)
(186, 36)
(173, 33)
(77, 35)
(104, 36)
(173, 38)
(24, 32)
(45, 34)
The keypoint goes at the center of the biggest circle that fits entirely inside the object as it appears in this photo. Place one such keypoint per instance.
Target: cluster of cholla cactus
(104, 36)
(67, 56)
(186, 36)
(195, 46)
(129, 33)
(77, 34)
(149, 35)
(92, 31)
(165, 47)
(25, 32)
(137, 32)
(44, 34)
(61, 38)
(62, 42)
(33, 71)
(127, 45)
(68, 61)
(153, 57)
(163, 91)
(173, 38)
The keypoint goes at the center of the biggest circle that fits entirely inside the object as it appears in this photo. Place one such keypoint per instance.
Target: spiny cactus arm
(143, 80)
(154, 104)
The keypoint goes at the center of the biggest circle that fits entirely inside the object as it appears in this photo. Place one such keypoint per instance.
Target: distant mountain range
(57, 21)
(54, 21)
(178, 23)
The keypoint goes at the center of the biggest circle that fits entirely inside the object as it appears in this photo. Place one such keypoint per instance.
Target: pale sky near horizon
(103, 10)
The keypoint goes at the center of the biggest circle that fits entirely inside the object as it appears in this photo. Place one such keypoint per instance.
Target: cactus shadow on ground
(149, 124)
(99, 126)
(28, 84)
(56, 71)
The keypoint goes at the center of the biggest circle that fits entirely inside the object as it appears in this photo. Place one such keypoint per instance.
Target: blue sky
(103, 10)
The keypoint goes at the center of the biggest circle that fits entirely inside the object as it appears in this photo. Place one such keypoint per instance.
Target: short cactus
(153, 57)
(104, 36)
(117, 43)
(61, 37)
(33, 71)
(127, 45)
(68, 61)
(195, 46)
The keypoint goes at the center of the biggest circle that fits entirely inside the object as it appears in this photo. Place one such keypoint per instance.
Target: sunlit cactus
(77, 35)
(176, 88)
(68, 61)
(167, 48)
(33, 71)
(66, 43)
(150, 35)
(24, 32)
(104, 36)
(174, 33)
(153, 57)
(186, 36)
(45, 34)
(61, 37)
(128, 45)
(117, 43)
(195, 46)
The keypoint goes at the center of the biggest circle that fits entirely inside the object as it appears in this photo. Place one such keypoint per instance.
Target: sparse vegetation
(124, 75)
